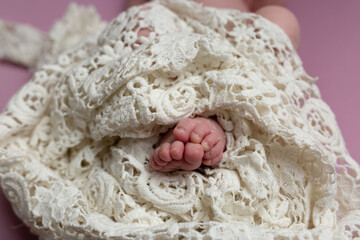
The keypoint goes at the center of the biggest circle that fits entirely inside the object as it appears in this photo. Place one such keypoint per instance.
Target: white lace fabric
(76, 139)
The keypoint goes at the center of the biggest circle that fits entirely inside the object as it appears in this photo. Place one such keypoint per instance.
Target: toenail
(207, 161)
(205, 146)
(180, 129)
(195, 138)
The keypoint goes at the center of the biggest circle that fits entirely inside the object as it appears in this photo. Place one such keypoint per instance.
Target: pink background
(329, 49)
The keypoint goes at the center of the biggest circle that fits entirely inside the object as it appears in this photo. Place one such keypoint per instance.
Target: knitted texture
(76, 139)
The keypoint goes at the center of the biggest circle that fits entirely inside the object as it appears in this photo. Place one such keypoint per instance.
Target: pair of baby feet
(191, 143)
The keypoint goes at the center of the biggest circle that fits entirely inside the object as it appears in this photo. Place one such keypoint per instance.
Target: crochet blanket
(76, 139)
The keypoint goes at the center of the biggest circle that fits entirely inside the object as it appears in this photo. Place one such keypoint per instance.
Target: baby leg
(274, 10)
(285, 19)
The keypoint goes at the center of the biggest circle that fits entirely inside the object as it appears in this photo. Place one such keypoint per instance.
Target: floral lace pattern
(75, 141)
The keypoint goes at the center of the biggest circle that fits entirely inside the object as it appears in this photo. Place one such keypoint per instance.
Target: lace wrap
(75, 140)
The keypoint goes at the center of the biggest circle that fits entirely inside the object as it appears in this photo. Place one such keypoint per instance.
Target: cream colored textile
(75, 141)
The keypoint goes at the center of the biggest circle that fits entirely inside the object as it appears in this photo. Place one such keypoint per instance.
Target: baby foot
(191, 143)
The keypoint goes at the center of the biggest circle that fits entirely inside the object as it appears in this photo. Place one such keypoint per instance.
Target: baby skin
(198, 141)
(191, 143)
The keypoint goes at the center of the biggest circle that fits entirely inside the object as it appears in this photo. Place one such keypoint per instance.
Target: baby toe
(183, 129)
(209, 141)
(215, 150)
(157, 159)
(177, 150)
(193, 153)
(211, 162)
(201, 130)
(164, 152)
(153, 164)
